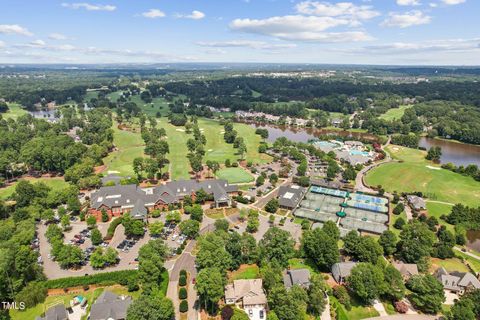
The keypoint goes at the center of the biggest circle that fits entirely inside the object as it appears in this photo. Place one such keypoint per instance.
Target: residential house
(119, 199)
(290, 196)
(336, 122)
(299, 277)
(110, 306)
(249, 296)
(416, 202)
(457, 282)
(406, 269)
(57, 312)
(341, 270)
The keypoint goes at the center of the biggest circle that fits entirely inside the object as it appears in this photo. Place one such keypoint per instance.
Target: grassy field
(437, 210)
(357, 312)
(245, 272)
(474, 263)
(394, 114)
(216, 148)
(417, 174)
(14, 111)
(234, 175)
(130, 146)
(453, 264)
(151, 109)
(54, 183)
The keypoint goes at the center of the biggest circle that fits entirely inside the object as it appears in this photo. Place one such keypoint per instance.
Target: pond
(473, 240)
(454, 152)
(305, 134)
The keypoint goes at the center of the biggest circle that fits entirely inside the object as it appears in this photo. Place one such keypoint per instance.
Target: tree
(65, 222)
(320, 248)
(190, 228)
(349, 174)
(331, 229)
(156, 228)
(399, 208)
(277, 246)
(416, 241)
(133, 227)
(210, 286)
(272, 206)
(427, 293)
(399, 223)
(96, 237)
(394, 288)
(212, 252)
(239, 314)
(151, 257)
(104, 216)
(260, 181)
(388, 241)
(316, 295)
(286, 305)
(462, 309)
(222, 224)
(151, 307)
(253, 222)
(367, 281)
(434, 154)
(91, 221)
(173, 216)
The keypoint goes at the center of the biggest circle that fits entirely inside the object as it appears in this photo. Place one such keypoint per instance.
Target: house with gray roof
(299, 277)
(290, 196)
(457, 282)
(249, 296)
(342, 270)
(57, 312)
(119, 199)
(110, 306)
(406, 269)
(416, 202)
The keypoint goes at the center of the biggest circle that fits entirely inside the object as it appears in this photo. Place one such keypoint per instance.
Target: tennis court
(316, 216)
(328, 191)
(366, 215)
(359, 225)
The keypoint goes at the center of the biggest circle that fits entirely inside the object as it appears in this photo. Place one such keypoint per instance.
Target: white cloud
(2, 44)
(407, 19)
(341, 9)
(37, 43)
(408, 2)
(433, 5)
(301, 28)
(438, 46)
(89, 6)
(57, 36)
(153, 14)
(246, 44)
(453, 2)
(14, 29)
(195, 15)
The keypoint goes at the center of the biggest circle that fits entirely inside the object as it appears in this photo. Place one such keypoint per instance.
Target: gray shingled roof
(290, 196)
(57, 312)
(110, 306)
(299, 277)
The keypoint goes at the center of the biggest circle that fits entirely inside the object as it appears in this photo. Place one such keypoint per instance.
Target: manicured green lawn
(296, 263)
(245, 272)
(474, 263)
(394, 218)
(234, 175)
(394, 114)
(437, 210)
(56, 183)
(130, 146)
(357, 312)
(453, 264)
(14, 111)
(416, 174)
(157, 105)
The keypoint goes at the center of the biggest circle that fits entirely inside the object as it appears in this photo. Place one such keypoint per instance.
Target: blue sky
(403, 32)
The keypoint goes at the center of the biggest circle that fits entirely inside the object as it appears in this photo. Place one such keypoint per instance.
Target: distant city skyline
(390, 32)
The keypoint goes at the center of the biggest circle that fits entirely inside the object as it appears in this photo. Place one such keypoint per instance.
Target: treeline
(465, 216)
(471, 170)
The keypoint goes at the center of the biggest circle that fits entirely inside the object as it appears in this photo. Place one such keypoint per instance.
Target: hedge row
(111, 228)
(106, 278)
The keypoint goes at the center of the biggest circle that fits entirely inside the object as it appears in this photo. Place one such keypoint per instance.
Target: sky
(390, 32)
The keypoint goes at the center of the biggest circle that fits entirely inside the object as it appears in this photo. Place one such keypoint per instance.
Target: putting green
(234, 175)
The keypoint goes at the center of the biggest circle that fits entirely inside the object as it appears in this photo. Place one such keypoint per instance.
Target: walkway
(377, 305)
(467, 253)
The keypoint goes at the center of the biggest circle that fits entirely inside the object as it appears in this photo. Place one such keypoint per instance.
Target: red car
(194, 280)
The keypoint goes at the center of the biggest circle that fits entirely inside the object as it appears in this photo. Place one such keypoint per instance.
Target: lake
(473, 240)
(454, 152)
(305, 134)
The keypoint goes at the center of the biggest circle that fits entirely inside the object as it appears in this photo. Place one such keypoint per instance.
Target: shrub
(182, 281)
(401, 307)
(341, 293)
(182, 293)
(106, 278)
(183, 272)
(227, 313)
(183, 306)
(132, 285)
(113, 225)
(399, 223)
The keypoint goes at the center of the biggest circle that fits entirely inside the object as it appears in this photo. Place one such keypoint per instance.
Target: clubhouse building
(119, 199)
